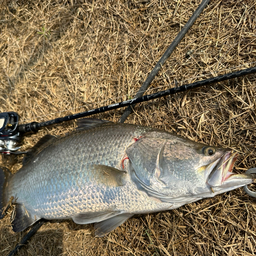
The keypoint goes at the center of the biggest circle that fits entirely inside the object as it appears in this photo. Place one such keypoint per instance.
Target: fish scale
(67, 183)
(83, 175)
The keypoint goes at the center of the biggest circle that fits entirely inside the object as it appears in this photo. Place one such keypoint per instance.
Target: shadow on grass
(43, 242)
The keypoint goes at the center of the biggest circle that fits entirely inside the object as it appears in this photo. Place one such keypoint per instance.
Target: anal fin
(23, 218)
(104, 227)
(92, 217)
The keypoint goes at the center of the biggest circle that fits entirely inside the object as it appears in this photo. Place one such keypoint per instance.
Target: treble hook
(246, 189)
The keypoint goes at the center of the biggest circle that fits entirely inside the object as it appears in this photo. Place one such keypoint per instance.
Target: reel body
(9, 133)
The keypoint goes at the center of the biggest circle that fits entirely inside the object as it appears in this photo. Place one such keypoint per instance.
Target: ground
(63, 57)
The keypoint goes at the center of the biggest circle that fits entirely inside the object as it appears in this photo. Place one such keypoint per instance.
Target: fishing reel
(9, 133)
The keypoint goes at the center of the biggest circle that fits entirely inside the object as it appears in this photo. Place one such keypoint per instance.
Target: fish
(105, 172)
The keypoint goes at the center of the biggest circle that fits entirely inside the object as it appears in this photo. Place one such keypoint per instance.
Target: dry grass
(59, 57)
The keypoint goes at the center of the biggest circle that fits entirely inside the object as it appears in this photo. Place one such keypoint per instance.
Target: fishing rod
(165, 56)
(11, 132)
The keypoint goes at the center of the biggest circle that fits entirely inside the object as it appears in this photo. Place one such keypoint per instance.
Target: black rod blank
(35, 126)
(165, 56)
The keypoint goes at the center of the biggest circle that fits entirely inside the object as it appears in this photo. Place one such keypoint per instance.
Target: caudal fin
(4, 175)
(23, 219)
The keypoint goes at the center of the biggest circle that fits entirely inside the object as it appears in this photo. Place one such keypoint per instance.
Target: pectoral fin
(110, 176)
(104, 227)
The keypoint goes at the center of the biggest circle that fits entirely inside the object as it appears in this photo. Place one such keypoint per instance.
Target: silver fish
(104, 173)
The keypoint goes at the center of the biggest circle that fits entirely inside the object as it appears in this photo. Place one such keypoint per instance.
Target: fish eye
(208, 151)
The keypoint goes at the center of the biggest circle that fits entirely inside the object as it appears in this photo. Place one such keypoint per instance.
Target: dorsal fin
(40, 145)
(88, 123)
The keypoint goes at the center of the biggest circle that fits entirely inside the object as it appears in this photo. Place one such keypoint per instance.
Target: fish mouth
(227, 165)
(221, 174)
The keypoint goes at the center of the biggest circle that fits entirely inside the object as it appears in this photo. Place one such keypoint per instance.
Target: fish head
(172, 168)
(219, 175)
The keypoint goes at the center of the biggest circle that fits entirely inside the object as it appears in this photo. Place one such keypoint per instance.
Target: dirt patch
(61, 57)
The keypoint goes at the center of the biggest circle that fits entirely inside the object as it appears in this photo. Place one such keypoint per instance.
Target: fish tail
(4, 176)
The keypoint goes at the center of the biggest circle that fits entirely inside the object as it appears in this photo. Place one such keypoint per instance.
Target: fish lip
(223, 169)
